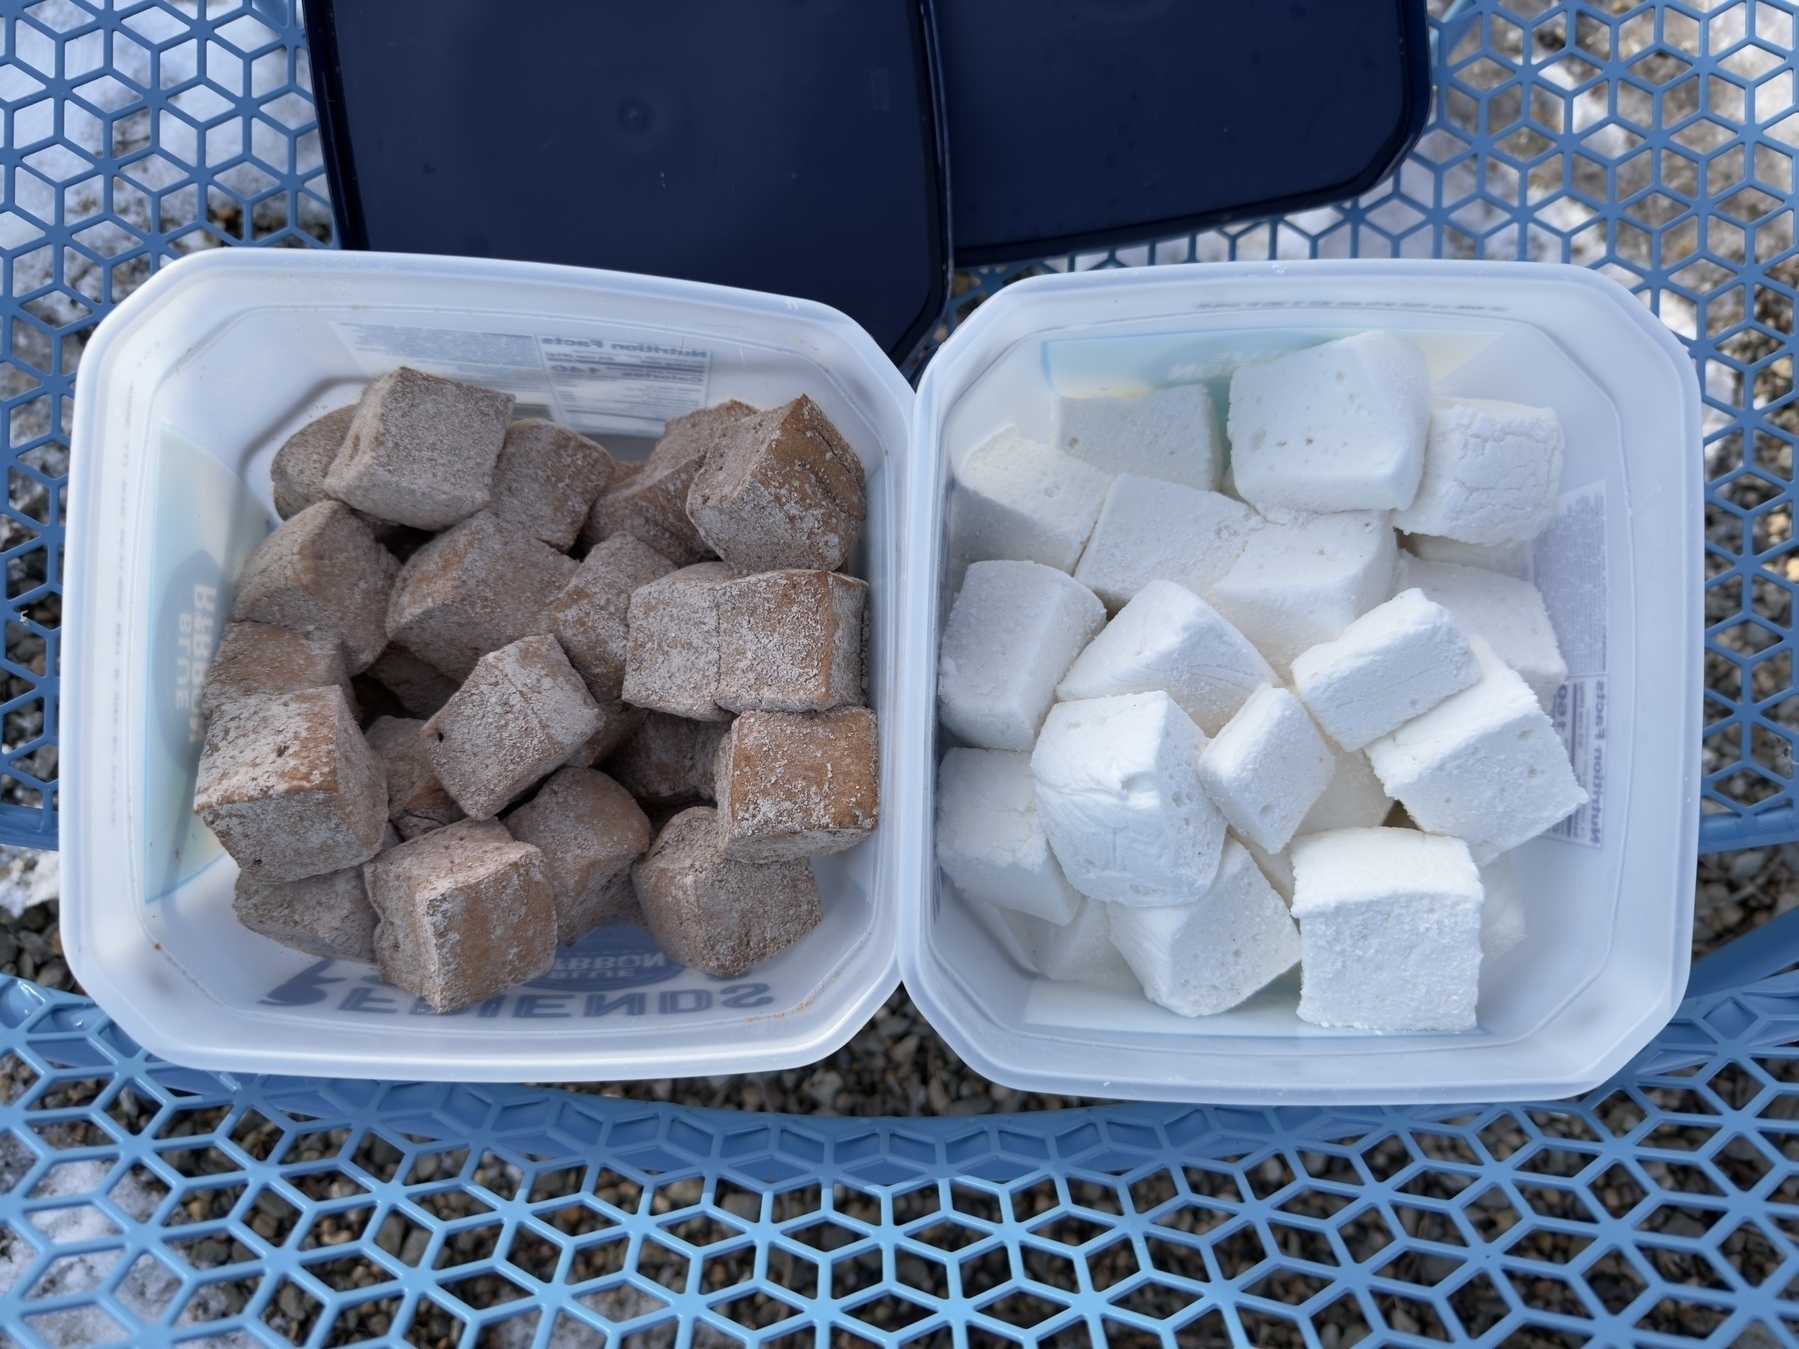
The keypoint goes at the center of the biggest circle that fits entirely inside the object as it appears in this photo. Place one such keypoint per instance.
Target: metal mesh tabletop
(151, 1204)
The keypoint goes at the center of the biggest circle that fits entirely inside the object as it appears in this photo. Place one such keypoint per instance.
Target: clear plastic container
(1609, 910)
(185, 392)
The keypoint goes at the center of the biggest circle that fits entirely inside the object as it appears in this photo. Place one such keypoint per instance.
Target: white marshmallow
(1353, 800)
(1170, 639)
(1012, 632)
(1266, 768)
(1296, 585)
(1208, 956)
(1079, 951)
(1507, 612)
(1484, 764)
(1508, 559)
(1167, 433)
(1150, 529)
(1119, 796)
(1337, 427)
(1389, 930)
(989, 840)
(1017, 499)
(1276, 868)
(1491, 473)
(1395, 662)
(1502, 911)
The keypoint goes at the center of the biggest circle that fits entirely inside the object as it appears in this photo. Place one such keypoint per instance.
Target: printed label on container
(613, 973)
(623, 385)
(1568, 565)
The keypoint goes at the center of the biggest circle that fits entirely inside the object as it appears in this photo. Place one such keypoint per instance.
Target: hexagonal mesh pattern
(143, 1201)
(1654, 142)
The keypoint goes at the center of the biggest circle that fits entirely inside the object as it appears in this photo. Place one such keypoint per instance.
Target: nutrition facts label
(1568, 566)
(625, 385)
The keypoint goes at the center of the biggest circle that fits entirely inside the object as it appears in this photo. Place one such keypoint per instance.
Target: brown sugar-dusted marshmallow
(651, 504)
(590, 614)
(797, 785)
(298, 471)
(472, 590)
(522, 712)
(671, 643)
(326, 916)
(420, 450)
(418, 687)
(780, 489)
(791, 641)
(258, 658)
(669, 761)
(322, 571)
(465, 913)
(416, 801)
(289, 785)
(713, 912)
(589, 831)
(547, 478)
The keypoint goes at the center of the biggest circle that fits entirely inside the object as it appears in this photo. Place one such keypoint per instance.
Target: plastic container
(1609, 912)
(186, 390)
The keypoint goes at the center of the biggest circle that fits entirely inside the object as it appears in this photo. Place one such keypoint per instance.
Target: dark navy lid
(790, 146)
(1086, 123)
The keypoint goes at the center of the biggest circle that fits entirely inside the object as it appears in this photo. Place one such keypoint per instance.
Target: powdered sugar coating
(297, 473)
(671, 643)
(259, 658)
(547, 478)
(322, 571)
(327, 916)
(651, 504)
(416, 801)
(589, 831)
(589, 615)
(791, 641)
(797, 784)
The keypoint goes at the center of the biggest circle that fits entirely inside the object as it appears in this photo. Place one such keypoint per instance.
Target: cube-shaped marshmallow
(546, 480)
(1336, 427)
(419, 688)
(325, 916)
(1502, 908)
(1015, 498)
(521, 713)
(1276, 867)
(714, 912)
(1296, 585)
(1170, 639)
(669, 761)
(289, 785)
(1484, 764)
(1150, 530)
(1395, 662)
(651, 503)
(1389, 930)
(589, 614)
(416, 801)
(671, 643)
(783, 490)
(797, 784)
(1266, 768)
(1208, 955)
(322, 571)
(791, 641)
(990, 842)
(1169, 433)
(1119, 795)
(1507, 612)
(297, 473)
(1354, 799)
(1492, 472)
(420, 450)
(1079, 951)
(471, 590)
(1012, 633)
(589, 831)
(466, 913)
(258, 658)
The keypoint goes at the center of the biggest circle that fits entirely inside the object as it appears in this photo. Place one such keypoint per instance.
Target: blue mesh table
(145, 1203)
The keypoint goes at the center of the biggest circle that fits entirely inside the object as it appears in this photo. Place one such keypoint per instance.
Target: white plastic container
(185, 392)
(1609, 916)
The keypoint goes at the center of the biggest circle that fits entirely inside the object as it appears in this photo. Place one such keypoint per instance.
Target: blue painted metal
(155, 1204)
